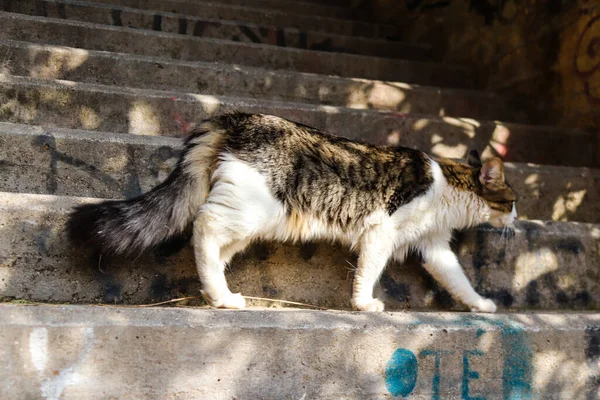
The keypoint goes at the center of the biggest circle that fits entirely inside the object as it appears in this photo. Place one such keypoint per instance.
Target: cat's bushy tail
(131, 226)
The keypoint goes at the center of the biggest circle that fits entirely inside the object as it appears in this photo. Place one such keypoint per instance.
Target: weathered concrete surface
(238, 31)
(313, 20)
(98, 164)
(548, 266)
(89, 66)
(125, 110)
(82, 163)
(337, 3)
(104, 37)
(76, 352)
(324, 8)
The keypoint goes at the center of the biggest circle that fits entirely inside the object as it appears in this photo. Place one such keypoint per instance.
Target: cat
(244, 177)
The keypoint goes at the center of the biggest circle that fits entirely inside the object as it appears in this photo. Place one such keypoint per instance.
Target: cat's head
(494, 190)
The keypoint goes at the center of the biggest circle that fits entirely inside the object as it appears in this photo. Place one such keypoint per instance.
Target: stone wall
(544, 54)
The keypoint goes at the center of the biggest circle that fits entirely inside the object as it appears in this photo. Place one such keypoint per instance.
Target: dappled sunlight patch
(301, 91)
(557, 372)
(531, 265)
(143, 120)
(566, 282)
(471, 122)
(324, 91)
(329, 109)
(12, 109)
(69, 84)
(393, 138)
(116, 163)
(357, 99)
(387, 97)
(436, 138)
(210, 104)
(533, 185)
(88, 118)
(457, 151)
(439, 148)
(56, 98)
(400, 85)
(532, 179)
(499, 140)
(420, 124)
(56, 61)
(5, 63)
(567, 205)
(268, 82)
(546, 362)
(467, 125)
(487, 342)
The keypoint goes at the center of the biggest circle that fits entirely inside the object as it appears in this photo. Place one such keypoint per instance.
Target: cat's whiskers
(350, 270)
(508, 232)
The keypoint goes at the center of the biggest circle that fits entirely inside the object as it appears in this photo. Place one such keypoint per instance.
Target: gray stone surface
(168, 21)
(120, 69)
(98, 164)
(216, 10)
(544, 266)
(330, 9)
(69, 104)
(81, 353)
(105, 37)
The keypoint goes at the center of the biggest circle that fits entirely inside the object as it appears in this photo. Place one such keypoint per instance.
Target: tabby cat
(244, 177)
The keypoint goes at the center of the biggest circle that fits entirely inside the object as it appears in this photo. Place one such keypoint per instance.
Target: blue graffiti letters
(469, 374)
(435, 385)
(401, 373)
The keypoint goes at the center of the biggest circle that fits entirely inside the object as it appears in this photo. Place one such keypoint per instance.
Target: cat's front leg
(443, 265)
(376, 247)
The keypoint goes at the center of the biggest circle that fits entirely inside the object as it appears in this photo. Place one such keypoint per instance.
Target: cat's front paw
(485, 306)
(228, 300)
(369, 305)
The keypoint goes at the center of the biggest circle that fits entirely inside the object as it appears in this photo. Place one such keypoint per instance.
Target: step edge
(176, 95)
(290, 319)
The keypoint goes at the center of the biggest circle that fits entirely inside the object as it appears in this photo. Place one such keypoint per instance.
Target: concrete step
(120, 69)
(324, 9)
(336, 3)
(117, 39)
(70, 104)
(87, 352)
(98, 164)
(544, 266)
(221, 29)
(241, 13)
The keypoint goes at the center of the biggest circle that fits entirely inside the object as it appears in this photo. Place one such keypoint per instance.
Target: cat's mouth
(501, 223)
(503, 220)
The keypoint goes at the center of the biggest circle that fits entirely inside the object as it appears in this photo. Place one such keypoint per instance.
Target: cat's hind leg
(443, 265)
(213, 248)
(376, 247)
(239, 207)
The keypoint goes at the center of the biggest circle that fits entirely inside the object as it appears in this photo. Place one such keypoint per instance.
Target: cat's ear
(492, 172)
(473, 159)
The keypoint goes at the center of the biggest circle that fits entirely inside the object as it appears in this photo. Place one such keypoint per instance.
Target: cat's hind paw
(370, 305)
(234, 300)
(484, 306)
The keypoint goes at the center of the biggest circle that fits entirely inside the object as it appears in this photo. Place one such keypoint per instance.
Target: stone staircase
(94, 97)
